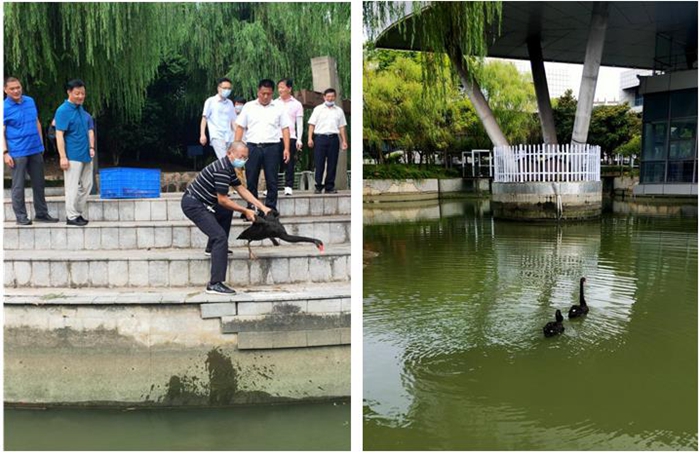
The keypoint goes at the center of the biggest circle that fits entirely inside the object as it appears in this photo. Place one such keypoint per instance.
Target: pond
(455, 357)
(324, 426)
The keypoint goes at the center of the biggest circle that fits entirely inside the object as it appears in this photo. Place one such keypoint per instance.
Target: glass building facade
(669, 141)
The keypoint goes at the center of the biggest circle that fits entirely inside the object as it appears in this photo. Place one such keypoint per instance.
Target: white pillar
(591, 65)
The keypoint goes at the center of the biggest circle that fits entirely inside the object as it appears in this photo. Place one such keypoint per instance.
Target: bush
(407, 172)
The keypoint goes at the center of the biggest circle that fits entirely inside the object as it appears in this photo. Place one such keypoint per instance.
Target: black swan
(582, 307)
(554, 328)
(269, 227)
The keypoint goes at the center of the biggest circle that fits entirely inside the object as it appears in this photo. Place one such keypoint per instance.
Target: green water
(284, 427)
(454, 356)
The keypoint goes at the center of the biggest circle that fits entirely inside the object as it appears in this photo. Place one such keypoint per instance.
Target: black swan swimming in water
(582, 307)
(554, 328)
(269, 227)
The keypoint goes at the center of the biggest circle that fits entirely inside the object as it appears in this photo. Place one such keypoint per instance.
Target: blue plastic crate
(129, 183)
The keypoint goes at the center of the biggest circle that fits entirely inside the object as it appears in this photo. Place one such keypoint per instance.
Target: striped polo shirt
(214, 179)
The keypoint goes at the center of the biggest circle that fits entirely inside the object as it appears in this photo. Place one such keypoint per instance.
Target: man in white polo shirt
(327, 122)
(295, 113)
(263, 122)
(219, 115)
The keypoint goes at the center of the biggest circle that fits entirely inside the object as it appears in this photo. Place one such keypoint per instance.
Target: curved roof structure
(646, 35)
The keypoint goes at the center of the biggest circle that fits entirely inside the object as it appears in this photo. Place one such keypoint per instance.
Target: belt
(263, 145)
(209, 208)
(326, 135)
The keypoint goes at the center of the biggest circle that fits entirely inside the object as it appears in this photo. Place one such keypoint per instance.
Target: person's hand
(311, 143)
(344, 146)
(250, 215)
(266, 210)
(64, 163)
(9, 161)
(203, 139)
(92, 152)
(285, 155)
(299, 145)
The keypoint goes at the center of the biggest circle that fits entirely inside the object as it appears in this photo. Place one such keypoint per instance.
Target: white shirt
(327, 120)
(294, 110)
(219, 114)
(263, 124)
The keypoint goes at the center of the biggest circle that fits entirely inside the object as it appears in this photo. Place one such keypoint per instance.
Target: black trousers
(34, 166)
(288, 168)
(326, 150)
(216, 226)
(265, 157)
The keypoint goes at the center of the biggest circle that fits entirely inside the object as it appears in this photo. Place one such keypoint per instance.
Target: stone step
(167, 207)
(106, 236)
(299, 263)
(249, 300)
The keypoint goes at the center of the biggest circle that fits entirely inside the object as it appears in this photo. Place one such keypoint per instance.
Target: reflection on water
(453, 347)
(280, 427)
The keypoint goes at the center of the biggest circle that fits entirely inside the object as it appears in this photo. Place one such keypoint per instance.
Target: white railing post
(546, 163)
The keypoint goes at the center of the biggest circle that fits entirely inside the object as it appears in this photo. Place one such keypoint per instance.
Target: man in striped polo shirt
(206, 203)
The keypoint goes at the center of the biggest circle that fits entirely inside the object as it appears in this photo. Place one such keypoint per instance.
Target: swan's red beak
(321, 247)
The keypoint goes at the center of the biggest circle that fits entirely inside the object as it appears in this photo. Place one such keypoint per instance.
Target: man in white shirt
(295, 113)
(327, 122)
(263, 122)
(219, 115)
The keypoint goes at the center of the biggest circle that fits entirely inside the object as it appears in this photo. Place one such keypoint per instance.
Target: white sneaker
(287, 190)
(263, 194)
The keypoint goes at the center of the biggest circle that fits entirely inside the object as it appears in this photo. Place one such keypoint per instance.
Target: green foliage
(114, 47)
(631, 147)
(398, 113)
(564, 111)
(405, 172)
(446, 28)
(148, 67)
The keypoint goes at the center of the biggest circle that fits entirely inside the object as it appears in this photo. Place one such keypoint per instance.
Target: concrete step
(287, 264)
(107, 236)
(167, 207)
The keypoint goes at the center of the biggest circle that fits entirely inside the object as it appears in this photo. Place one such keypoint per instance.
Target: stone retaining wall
(540, 201)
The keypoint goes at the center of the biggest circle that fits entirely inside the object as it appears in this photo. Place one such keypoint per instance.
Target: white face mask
(238, 108)
(225, 93)
(329, 103)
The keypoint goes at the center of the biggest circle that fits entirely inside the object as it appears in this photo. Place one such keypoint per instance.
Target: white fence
(546, 163)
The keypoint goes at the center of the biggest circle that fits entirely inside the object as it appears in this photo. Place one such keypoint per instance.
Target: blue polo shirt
(21, 133)
(75, 123)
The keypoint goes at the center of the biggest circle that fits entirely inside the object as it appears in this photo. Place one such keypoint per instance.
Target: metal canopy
(631, 40)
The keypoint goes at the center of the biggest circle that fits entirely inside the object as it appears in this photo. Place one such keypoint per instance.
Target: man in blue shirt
(75, 140)
(23, 147)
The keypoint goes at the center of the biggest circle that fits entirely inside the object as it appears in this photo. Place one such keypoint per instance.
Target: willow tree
(250, 41)
(456, 29)
(114, 47)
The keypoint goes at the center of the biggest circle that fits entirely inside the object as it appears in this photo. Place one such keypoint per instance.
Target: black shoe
(80, 222)
(331, 191)
(45, 218)
(83, 219)
(207, 252)
(317, 191)
(24, 222)
(219, 288)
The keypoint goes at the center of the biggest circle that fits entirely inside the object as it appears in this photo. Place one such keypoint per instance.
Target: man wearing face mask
(206, 203)
(219, 115)
(326, 123)
(264, 123)
(295, 112)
